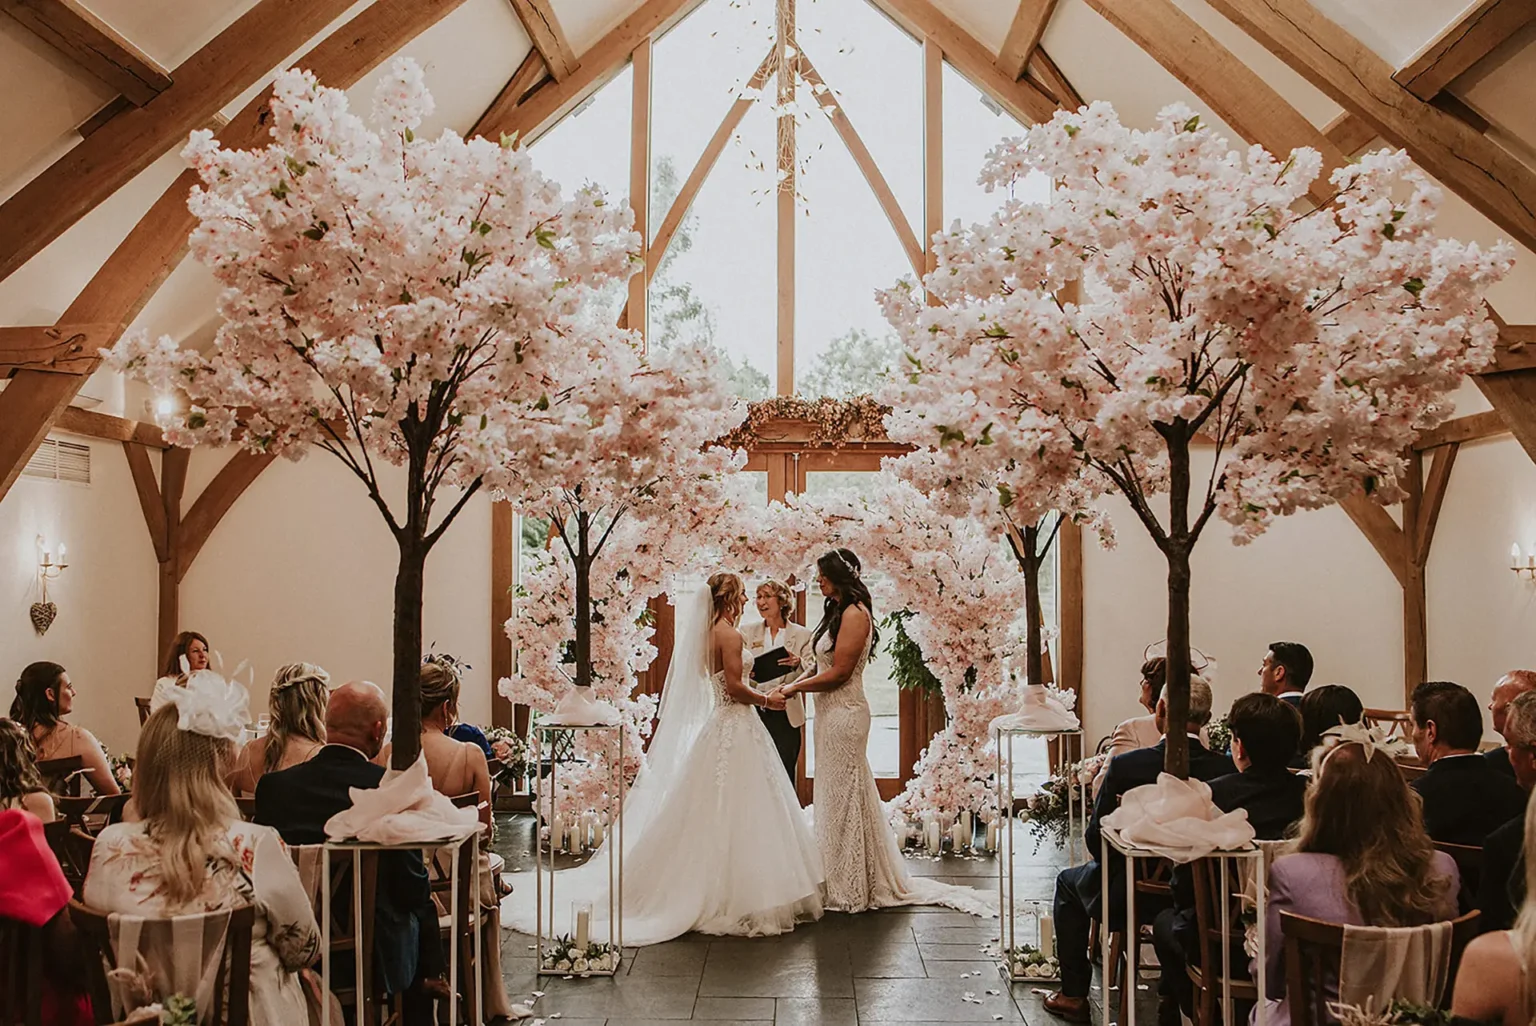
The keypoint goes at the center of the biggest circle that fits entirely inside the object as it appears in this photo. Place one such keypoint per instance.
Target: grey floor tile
(904, 964)
(984, 932)
(972, 952)
(798, 981)
(932, 1001)
(673, 959)
(979, 970)
(816, 1012)
(744, 1009)
(673, 1022)
(655, 998)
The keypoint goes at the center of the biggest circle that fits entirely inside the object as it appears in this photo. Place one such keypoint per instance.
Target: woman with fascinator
(192, 854)
(714, 838)
(865, 868)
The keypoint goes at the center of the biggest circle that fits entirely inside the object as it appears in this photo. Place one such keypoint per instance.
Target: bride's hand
(774, 700)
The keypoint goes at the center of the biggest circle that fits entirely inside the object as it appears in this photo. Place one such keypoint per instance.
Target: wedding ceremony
(816, 512)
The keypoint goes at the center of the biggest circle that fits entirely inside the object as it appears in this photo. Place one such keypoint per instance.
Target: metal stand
(1110, 839)
(1077, 821)
(356, 848)
(613, 843)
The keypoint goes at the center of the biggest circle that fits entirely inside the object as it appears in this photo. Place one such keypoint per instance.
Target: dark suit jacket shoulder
(1141, 766)
(1466, 799)
(297, 801)
(1498, 758)
(1501, 887)
(1273, 799)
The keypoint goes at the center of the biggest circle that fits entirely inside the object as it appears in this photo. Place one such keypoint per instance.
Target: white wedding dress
(715, 840)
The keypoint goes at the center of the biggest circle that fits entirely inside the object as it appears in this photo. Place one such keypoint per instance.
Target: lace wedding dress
(715, 840)
(865, 868)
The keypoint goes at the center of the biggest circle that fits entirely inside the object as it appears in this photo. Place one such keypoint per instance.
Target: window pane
(845, 251)
(591, 144)
(973, 125)
(757, 483)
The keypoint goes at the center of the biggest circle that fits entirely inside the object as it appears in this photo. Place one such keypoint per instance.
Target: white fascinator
(1373, 739)
(211, 705)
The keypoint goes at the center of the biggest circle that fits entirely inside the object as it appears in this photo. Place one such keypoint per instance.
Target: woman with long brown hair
(44, 696)
(1361, 858)
(20, 785)
(188, 654)
(295, 729)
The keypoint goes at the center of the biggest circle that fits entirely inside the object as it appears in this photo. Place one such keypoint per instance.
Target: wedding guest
(295, 729)
(33, 891)
(1286, 668)
(1140, 731)
(1501, 886)
(1265, 731)
(44, 696)
(1077, 897)
(192, 853)
(1323, 708)
(775, 604)
(1510, 686)
(1362, 859)
(1465, 799)
(20, 785)
(1494, 983)
(298, 800)
(192, 647)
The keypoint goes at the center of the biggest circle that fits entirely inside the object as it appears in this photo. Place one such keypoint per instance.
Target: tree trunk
(409, 581)
(1176, 690)
(1034, 647)
(583, 602)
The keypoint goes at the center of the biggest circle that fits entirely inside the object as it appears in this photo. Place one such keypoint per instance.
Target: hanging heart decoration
(43, 614)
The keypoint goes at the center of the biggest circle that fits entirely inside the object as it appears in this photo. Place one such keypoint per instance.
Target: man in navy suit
(1265, 731)
(1510, 686)
(299, 800)
(1077, 888)
(1286, 668)
(1465, 799)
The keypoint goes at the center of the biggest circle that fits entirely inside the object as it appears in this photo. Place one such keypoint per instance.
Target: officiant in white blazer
(775, 604)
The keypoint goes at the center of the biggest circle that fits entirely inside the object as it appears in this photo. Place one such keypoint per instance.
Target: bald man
(299, 800)
(1510, 686)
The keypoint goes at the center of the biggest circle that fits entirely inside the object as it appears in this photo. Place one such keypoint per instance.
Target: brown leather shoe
(1072, 1009)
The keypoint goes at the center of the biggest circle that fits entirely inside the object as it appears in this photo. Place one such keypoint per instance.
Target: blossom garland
(833, 421)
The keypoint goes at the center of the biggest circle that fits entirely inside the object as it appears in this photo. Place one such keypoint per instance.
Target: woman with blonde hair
(21, 787)
(1497, 979)
(192, 854)
(456, 767)
(295, 730)
(1361, 858)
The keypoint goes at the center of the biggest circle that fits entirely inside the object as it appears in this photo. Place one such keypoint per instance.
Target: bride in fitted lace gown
(865, 868)
(715, 840)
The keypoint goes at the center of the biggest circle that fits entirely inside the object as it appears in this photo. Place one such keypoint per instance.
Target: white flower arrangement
(566, 956)
(1025, 962)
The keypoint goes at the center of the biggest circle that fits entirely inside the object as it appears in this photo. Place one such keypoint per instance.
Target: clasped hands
(776, 699)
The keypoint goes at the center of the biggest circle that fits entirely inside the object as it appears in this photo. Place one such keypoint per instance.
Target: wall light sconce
(1525, 564)
(49, 568)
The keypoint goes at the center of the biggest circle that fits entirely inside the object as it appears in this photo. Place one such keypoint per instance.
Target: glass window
(973, 124)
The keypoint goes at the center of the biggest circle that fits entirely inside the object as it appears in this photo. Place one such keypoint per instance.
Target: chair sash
(1383, 963)
(165, 957)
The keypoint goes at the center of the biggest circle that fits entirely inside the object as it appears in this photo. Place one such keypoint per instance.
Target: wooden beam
(111, 429)
(862, 157)
(1044, 73)
(149, 498)
(1462, 44)
(1513, 395)
(1224, 82)
(539, 111)
(638, 310)
(1415, 595)
(1516, 348)
(933, 152)
(94, 45)
(1019, 97)
(1380, 530)
(1463, 429)
(1433, 498)
(543, 28)
(73, 185)
(528, 74)
(1349, 133)
(227, 485)
(173, 481)
(1029, 21)
(503, 557)
(157, 242)
(786, 186)
(1070, 567)
(1474, 167)
(706, 162)
(60, 349)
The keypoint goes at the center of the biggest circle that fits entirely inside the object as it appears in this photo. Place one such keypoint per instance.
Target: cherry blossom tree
(1174, 291)
(390, 299)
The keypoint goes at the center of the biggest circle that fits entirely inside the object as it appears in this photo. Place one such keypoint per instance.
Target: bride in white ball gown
(714, 837)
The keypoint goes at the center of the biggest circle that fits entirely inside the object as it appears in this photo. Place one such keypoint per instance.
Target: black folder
(766, 666)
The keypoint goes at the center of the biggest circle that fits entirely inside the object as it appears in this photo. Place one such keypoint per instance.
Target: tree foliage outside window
(854, 363)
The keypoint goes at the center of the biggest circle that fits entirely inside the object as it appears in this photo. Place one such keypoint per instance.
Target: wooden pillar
(1415, 624)
(503, 564)
(173, 482)
(1069, 672)
(786, 187)
(933, 150)
(640, 182)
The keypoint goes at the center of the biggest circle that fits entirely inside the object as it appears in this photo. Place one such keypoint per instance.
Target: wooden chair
(142, 705)
(231, 988)
(1204, 967)
(1411, 770)
(345, 939)
(62, 776)
(1469, 864)
(468, 904)
(1398, 722)
(91, 814)
(21, 974)
(247, 804)
(72, 846)
(1312, 952)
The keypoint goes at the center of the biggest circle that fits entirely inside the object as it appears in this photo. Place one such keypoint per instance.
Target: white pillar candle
(597, 832)
(957, 835)
(992, 836)
(968, 827)
(1047, 937)
(935, 839)
(557, 833)
(575, 843)
(583, 928)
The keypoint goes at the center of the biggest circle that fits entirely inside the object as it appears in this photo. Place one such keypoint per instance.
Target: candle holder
(595, 945)
(43, 613)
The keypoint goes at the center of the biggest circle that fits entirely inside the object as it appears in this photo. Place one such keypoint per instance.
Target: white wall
(105, 631)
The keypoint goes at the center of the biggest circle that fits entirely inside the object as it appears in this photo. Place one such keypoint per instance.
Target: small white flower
(563, 966)
(581, 965)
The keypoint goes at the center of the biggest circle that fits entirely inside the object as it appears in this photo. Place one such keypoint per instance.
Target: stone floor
(910, 965)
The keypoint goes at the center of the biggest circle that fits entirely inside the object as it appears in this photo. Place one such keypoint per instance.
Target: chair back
(247, 805)
(62, 776)
(467, 903)
(157, 948)
(1211, 893)
(1469, 864)
(142, 705)
(91, 814)
(72, 847)
(469, 800)
(345, 937)
(1397, 721)
(21, 974)
(1313, 950)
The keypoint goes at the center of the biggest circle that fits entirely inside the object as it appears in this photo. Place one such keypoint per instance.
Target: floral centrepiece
(564, 955)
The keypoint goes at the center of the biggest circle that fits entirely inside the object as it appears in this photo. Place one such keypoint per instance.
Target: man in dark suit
(1078, 887)
(1465, 799)
(1265, 731)
(1510, 686)
(1285, 671)
(299, 800)
(1501, 887)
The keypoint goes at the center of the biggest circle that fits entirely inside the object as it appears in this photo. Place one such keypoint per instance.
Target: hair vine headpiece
(1372, 739)
(295, 674)
(847, 563)
(211, 705)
